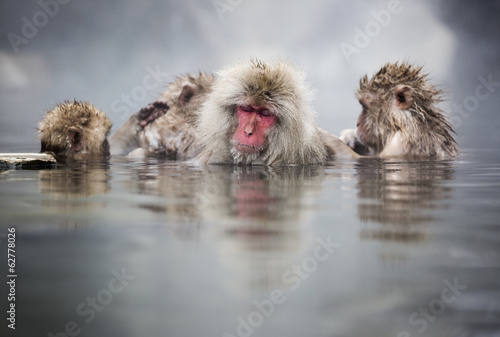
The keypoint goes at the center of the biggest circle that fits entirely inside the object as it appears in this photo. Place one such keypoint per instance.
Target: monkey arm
(124, 140)
(336, 148)
(350, 138)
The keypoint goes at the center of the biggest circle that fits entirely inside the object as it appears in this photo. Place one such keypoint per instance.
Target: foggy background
(105, 51)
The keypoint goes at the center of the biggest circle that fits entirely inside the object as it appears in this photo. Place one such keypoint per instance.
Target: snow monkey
(261, 113)
(400, 116)
(75, 130)
(165, 127)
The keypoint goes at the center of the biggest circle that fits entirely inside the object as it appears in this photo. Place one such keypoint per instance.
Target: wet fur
(173, 134)
(419, 131)
(92, 122)
(295, 139)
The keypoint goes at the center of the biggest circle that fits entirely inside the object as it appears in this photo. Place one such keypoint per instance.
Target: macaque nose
(250, 125)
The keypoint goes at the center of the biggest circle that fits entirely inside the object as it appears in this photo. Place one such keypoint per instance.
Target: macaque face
(77, 146)
(383, 113)
(105, 149)
(365, 135)
(253, 123)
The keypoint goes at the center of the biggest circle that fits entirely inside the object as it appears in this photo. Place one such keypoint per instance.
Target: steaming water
(367, 248)
(205, 252)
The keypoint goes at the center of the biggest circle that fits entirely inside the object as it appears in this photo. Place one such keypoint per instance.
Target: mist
(120, 54)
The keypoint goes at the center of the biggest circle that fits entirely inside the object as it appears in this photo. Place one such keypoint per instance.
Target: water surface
(161, 248)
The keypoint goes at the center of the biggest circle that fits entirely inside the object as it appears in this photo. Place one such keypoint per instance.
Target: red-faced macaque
(165, 127)
(260, 113)
(75, 130)
(400, 116)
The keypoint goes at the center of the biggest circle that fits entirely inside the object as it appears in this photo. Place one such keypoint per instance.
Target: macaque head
(398, 101)
(75, 130)
(260, 113)
(182, 97)
(380, 108)
(187, 92)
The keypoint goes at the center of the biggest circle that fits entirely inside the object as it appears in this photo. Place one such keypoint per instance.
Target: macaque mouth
(247, 149)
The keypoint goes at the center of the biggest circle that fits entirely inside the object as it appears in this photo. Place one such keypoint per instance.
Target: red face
(253, 121)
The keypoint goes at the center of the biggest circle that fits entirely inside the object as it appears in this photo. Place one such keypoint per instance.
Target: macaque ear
(74, 139)
(403, 97)
(186, 94)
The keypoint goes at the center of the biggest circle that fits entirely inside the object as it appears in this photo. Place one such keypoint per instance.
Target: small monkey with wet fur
(400, 116)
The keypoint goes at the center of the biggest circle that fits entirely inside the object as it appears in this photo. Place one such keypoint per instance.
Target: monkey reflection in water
(397, 199)
(67, 190)
(258, 214)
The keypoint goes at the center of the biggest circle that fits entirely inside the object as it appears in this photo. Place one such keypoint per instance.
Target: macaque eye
(265, 113)
(246, 108)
